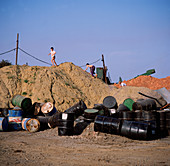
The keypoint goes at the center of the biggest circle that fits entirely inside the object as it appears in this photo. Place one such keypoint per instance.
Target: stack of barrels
(65, 120)
(39, 116)
(25, 115)
(136, 120)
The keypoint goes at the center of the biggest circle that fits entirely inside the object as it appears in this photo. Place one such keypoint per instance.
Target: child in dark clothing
(92, 69)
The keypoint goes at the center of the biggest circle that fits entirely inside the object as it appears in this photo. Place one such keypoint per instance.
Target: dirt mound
(149, 82)
(64, 86)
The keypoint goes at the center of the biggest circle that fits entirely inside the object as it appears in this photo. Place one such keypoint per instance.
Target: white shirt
(123, 84)
(52, 54)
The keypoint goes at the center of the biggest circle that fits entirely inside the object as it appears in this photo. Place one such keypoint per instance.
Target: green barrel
(22, 102)
(128, 103)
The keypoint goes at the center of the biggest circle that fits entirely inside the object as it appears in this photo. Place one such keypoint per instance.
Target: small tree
(5, 63)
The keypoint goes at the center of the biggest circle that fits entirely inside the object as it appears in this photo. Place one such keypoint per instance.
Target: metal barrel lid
(91, 111)
(109, 102)
(47, 107)
(90, 114)
(33, 125)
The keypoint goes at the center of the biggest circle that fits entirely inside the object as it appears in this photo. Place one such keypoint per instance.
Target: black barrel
(77, 109)
(155, 128)
(138, 115)
(162, 115)
(136, 130)
(103, 111)
(54, 120)
(33, 111)
(126, 115)
(110, 102)
(122, 107)
(66, 126)
(107, 124)
(90, 114)
(98, 123)
(37, 109)
(168, 121)
(147, 105)
(151, 116)
(139, 100)
(163, 129)
(4, 112)
(64, 122)
(107, 121)
(43, 122)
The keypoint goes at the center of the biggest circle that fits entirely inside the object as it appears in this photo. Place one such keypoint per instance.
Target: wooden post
(17, 49)
(104, 69)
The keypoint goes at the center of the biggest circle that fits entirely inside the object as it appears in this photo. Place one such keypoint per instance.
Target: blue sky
(133, 35)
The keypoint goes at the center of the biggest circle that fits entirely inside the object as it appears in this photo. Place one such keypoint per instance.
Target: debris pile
(140, 119)
(148, 81)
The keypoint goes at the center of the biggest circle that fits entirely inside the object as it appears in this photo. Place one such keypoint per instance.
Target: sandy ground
(47, 148)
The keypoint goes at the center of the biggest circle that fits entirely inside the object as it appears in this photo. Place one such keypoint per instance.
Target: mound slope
(64, 86)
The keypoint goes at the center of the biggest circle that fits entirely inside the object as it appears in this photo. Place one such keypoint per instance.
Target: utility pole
(104, 69)
(17, 49)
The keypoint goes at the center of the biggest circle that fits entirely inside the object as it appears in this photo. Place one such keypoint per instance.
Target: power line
(7, 51)
(91, 63)
(40, 59)
(34, 57)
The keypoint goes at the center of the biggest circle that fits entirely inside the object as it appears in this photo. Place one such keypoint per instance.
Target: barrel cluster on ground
(140, 119)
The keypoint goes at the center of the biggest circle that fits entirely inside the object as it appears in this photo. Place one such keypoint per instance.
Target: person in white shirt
(53, 56)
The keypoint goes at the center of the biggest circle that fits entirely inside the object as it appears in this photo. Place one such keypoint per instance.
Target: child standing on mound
(92, 69)
(53, 56)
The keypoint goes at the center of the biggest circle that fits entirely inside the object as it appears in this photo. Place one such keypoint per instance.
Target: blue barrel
(3, 124)
(15, 119)
(24, 123)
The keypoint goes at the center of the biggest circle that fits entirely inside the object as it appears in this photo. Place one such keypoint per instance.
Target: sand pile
(149, 82)
(64, 86)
